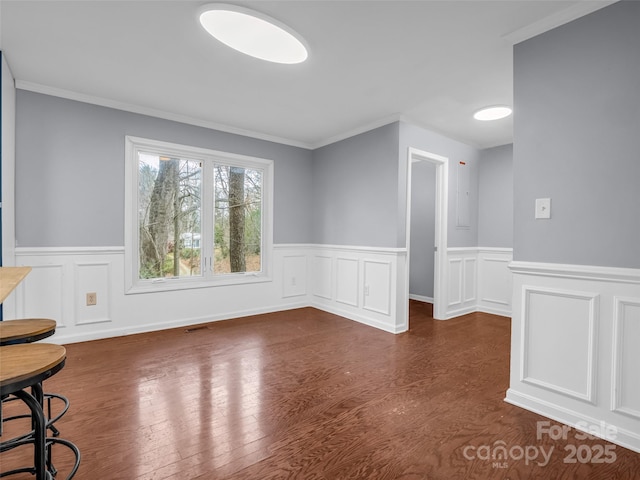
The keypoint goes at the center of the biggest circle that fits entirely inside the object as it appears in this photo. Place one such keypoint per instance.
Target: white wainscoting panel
(574, 347)
(330, 278)
(52, 299)
(626, 357)
(347, 281)
(478, 280)
(377, 286)
(368, 284)
(456, 276)
(295, 274)
(61, 277)
(94, 278)
(470, 280)
(495, 281)
(322, 276)
(558, 341)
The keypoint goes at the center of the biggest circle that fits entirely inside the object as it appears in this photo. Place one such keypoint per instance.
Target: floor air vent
(195, 329)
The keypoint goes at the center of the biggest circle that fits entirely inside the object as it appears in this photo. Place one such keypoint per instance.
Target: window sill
(173, 284)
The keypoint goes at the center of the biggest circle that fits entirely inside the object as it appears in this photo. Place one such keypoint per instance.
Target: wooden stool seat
(24, 365)
(26, 330)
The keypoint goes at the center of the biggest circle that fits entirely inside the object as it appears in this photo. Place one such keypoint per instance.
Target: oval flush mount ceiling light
(253, 33)
(495, 112)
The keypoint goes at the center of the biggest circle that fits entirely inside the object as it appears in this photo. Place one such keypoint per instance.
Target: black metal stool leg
(38, 393)
(40, 432)
(50, 467)
(52, 427)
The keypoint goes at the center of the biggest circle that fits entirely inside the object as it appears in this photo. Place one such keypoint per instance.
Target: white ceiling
(432, 63)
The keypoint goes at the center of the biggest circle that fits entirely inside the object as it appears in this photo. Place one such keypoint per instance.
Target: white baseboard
(364, 319)
(83, 336)
(575, 419)
(421, 298)
(501, 312)
(461, 311)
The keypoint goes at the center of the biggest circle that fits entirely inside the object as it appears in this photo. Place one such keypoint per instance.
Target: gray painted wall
(70, 177)
(70, 171)
(355, 190)
(423, 222)
(577, 141)
(414, 136)
(495, 197)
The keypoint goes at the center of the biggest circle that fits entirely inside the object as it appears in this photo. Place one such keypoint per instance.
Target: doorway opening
(439, 246)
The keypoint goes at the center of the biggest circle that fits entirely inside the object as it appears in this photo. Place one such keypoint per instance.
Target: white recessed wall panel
(347, 281)
(626, 353)
(43, 294)
(496, 281)
(322, 276)
(377, 286)
(469, 290)
(294, 280)
(455, 281)
(558, 341)
(93, 278)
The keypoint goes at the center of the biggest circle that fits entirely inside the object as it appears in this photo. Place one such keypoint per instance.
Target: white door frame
(442, 211)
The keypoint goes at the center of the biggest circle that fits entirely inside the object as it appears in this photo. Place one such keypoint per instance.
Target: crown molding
(152, 112)
(557, 19)
(381, 122)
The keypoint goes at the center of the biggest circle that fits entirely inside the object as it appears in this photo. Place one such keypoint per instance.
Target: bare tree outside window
(170, 211)
(238, 219)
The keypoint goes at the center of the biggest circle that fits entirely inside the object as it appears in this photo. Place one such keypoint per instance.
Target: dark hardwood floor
(305, 394)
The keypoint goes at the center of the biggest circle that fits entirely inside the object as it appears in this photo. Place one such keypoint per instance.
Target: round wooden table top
(26, 330)
(27, 364)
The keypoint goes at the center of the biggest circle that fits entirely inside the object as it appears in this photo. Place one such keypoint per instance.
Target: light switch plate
(543, 208)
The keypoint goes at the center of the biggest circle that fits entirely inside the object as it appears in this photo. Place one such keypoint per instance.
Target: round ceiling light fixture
(253, 33)
(495, 112)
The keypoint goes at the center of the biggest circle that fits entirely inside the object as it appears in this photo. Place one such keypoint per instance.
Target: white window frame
(133, 284)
